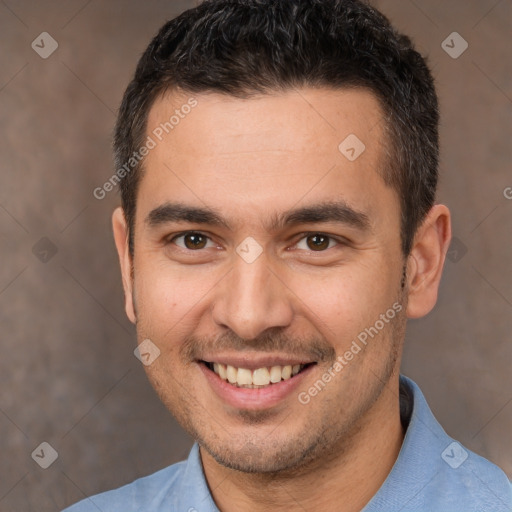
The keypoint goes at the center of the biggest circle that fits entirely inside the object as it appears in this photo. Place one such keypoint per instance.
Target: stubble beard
(284, 457)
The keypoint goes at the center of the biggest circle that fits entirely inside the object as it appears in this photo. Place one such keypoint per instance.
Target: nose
(252, 298)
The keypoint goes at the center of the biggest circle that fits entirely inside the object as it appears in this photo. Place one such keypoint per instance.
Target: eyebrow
(332, 211)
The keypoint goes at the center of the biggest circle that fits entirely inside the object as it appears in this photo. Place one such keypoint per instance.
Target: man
(278, 169)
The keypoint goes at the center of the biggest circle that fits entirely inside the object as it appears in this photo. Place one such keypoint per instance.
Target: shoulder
(477, 484)
(136, 496)
(441, 473)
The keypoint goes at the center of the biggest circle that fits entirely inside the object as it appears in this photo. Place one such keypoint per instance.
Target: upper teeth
(243, 377)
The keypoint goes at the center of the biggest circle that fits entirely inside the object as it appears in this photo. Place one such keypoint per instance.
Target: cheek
(346, 302)
(168, 294)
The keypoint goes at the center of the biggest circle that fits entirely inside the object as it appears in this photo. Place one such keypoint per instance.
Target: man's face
(264, 290)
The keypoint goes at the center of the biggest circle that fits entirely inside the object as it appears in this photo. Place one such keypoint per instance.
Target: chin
(266, 457)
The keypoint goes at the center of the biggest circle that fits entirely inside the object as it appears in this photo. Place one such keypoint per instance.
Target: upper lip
(254, 361)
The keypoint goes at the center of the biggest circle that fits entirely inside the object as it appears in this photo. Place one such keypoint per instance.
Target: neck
(348, 478)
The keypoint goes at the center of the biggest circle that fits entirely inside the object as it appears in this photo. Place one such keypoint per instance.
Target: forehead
(319, 116)
(269, 149)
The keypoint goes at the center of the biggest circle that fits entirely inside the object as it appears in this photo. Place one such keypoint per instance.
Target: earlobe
(426, 261)
(120, 230)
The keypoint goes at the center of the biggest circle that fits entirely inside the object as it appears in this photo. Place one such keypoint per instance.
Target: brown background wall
(67, 371)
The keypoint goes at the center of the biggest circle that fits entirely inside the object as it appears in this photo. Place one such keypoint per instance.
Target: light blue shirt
(433, 473)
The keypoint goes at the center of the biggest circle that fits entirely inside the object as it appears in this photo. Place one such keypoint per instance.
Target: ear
(120, 229)
(426, 260)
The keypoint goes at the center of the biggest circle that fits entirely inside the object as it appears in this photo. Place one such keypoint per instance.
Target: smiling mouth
(258, 378)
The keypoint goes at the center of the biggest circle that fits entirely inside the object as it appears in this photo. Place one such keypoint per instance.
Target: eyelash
(302, 237)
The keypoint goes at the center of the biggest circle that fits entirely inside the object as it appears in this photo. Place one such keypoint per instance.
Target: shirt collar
(409, 475)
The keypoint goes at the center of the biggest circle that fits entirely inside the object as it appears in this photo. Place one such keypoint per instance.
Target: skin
(250, 159)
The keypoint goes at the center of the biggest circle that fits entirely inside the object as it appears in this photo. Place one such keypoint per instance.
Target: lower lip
(254, 398)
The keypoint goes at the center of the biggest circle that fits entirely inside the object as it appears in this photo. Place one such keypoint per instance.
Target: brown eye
(194, 241)
(191, 240)
(318, 242)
